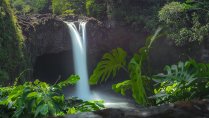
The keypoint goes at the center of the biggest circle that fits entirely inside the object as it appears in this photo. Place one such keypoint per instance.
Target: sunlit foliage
(39, 99)
(186, 22)
(67, 7)
(29, 6)
(183, 81)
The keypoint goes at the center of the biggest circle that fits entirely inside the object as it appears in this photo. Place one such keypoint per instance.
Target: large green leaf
(135, 69)
(73, 79)
(122, 87)
(138, 90)
(183, 81)
(110, 64)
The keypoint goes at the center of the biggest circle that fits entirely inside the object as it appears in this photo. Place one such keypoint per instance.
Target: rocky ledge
(192, 109)
(44, 33)
(47, 33)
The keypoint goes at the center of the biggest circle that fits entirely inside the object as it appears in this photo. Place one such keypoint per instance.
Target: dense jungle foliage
(12, 60)
(184, 81)
(184, 22)
(39, 99)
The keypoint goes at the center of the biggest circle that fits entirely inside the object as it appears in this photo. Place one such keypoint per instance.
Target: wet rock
(44, 34)
(192, 109)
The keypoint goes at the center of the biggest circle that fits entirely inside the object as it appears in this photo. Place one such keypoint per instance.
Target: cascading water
(80, 60)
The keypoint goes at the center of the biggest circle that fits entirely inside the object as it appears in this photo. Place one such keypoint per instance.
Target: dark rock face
(49, 34)
(98, 42)
(44, 34)
(192, 109)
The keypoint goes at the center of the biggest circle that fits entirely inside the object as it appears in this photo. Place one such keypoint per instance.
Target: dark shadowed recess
(52, 67)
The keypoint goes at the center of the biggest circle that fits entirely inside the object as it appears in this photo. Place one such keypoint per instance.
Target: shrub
(184, 81)
(96, 9)
(25, 6)
(39, 99)
(65, 7)
(59, 6)
(186, 22)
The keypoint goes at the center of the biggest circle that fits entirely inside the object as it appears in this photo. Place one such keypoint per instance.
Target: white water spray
(80, 59)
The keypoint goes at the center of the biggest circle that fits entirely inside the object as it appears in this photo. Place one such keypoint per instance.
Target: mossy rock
(12, 60)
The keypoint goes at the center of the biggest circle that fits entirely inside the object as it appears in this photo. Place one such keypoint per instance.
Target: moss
(12, 59)
(96, 8)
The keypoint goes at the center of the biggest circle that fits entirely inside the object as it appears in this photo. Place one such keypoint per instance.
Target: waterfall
(80, 60)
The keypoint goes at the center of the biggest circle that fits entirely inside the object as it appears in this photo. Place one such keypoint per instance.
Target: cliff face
(44, 34)
(49, 34)
(11, 53)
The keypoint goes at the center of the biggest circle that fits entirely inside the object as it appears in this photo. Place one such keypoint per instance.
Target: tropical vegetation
(183, 81)
(39, 99)
(182, 22)
(112, 62)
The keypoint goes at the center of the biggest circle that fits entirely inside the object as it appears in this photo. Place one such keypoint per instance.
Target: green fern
(110, 64)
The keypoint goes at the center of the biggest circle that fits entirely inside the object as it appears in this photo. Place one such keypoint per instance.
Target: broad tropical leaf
(110, 64)
(135, 69)
(183, 81)
(73, 79)
(122, 87)
(138, 90)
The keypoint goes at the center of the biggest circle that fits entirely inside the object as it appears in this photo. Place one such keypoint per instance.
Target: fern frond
(110, 64)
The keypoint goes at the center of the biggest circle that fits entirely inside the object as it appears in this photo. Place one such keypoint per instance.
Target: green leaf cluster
(68, 7)
(96, 9)
(39, 99)
(186, 21)
(36, 98)
(112, 62)
(76, 105)
(32, 6)
(184, 81)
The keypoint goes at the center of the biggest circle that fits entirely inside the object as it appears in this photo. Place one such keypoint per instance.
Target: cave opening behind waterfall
(51, 67)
